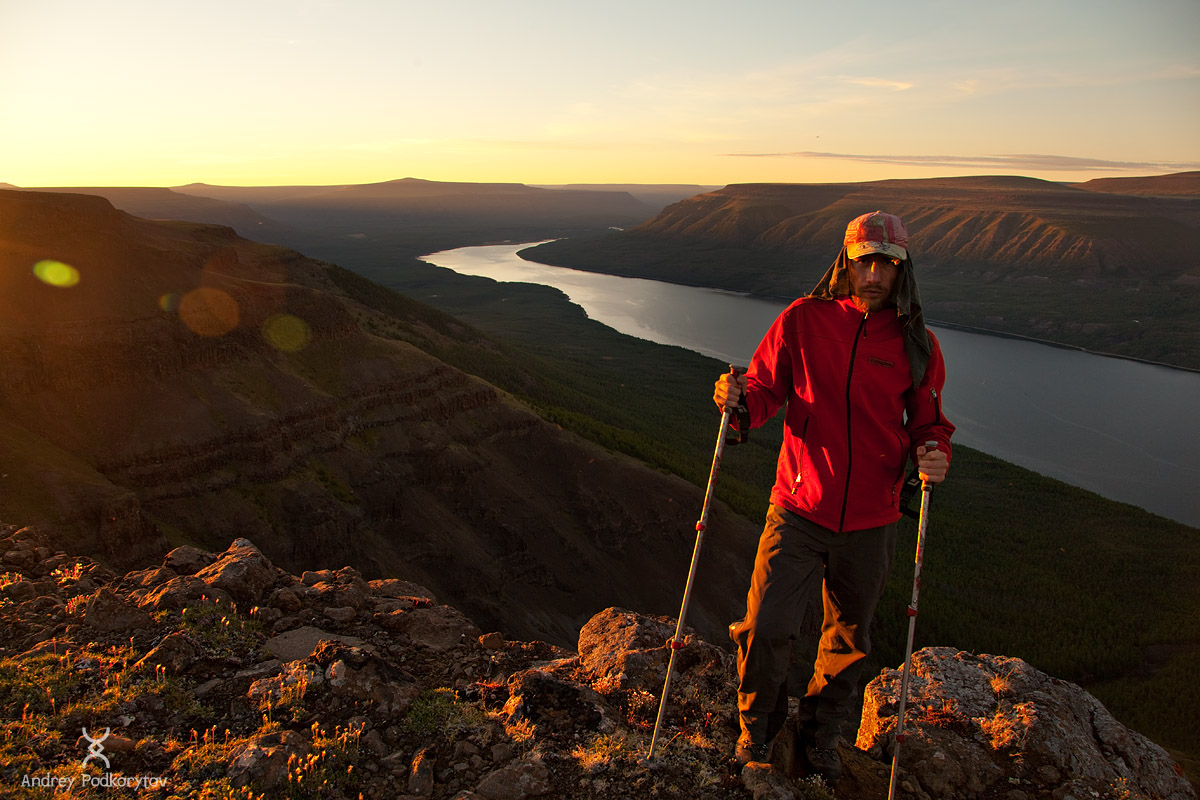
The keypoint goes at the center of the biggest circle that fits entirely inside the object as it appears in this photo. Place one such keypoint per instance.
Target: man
(861, 378)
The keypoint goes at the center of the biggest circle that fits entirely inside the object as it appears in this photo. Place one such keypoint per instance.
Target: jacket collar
(835, 284)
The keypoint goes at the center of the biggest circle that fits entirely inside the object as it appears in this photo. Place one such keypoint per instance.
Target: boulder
(341, 615)
(632, 651)
(394, 587)
(175, 653)
(439, 628)
(179, 593)
(979, 724)
(767, 783)
(516, 781)
(421, 773)
(301, 642)
(264, 759)
(188, 560)
(285, 600)
(148, 578)
(107, 611)
(556, 705)
(242, 571)
(300, 674)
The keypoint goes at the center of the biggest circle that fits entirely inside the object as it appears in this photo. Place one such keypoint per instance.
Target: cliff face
(1013, 223)
(192, 386)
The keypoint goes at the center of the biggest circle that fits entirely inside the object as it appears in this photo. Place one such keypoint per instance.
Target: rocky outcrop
(270, 691)
(980, 726)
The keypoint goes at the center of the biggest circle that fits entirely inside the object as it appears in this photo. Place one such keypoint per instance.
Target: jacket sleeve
(769, 377)
(924, 406)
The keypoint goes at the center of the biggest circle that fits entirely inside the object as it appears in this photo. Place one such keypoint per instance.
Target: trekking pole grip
(930, 444)
(742, 412)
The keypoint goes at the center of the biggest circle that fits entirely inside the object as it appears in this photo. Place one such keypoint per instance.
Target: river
(1126, 430)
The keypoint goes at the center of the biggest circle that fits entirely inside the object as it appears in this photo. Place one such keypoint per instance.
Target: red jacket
(853, 418)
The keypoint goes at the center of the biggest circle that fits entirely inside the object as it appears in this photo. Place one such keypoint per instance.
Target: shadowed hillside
(160, 203)
(184, 385)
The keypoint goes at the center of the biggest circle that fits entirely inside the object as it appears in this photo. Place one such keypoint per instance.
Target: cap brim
(860, 249)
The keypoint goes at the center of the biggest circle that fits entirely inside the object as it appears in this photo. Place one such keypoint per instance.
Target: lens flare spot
(169, 302)
(56, 273)
(208, 312)
(287, 333)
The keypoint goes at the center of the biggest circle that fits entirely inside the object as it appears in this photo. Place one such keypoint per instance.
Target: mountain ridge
(374, 208)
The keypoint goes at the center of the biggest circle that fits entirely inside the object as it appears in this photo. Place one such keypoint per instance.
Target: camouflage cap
(877, 232)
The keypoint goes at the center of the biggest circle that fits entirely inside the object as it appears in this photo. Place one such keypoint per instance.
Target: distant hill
(169, 383)
(1180, 184)
(1011, 254)
(1019, 224)
(161, 203)
(655, 195)
(378, 208)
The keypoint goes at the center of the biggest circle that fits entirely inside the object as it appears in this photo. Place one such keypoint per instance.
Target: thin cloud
(880, 83)
(1028, 161)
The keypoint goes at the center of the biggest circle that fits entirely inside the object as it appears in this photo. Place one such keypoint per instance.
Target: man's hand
(728, 390)
(932, 464)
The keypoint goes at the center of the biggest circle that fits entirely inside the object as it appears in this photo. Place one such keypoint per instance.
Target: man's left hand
(932, 465)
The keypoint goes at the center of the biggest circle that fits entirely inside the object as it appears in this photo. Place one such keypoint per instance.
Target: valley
(532, 450)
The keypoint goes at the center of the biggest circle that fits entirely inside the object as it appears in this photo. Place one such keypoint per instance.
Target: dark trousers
(794, 557)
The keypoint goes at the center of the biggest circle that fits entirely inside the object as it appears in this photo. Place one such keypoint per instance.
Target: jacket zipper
(903, 458)
(800, 456)
(937, 406)
(849, 441)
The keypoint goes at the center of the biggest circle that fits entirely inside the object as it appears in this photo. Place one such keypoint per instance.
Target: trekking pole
(922, 526)
(676, 642)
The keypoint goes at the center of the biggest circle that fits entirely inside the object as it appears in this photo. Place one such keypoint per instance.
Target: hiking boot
(823, 761)
(747, 752)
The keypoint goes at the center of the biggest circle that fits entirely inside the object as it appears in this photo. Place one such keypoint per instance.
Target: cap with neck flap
(885, 234)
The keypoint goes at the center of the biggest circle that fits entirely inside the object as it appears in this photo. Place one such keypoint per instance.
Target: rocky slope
(221, 675)
(190, 386)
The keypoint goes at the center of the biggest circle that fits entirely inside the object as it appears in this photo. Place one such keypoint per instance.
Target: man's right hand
(728, 390)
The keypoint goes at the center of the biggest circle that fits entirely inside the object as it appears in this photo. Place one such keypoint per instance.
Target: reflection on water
(1125, 430)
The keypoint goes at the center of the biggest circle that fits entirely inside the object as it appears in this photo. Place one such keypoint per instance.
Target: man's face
(872, 280)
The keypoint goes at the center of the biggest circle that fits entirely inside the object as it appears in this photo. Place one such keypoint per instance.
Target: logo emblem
(96, 749)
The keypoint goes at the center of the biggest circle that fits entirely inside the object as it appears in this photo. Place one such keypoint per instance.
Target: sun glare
(287, 333)
(56, 273)
(209, 312)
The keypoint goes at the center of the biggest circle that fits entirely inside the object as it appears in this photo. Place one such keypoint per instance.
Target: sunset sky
(163, 93)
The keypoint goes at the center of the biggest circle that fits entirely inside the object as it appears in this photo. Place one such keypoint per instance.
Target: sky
(296, 92)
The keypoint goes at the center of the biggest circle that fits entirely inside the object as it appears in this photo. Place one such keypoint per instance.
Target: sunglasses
(877, 258)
